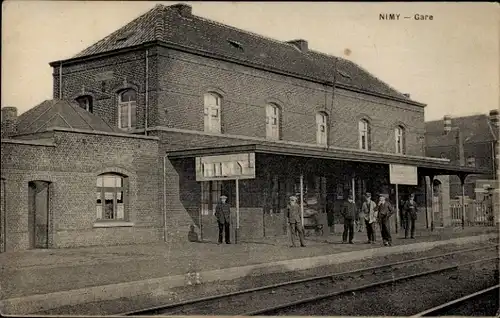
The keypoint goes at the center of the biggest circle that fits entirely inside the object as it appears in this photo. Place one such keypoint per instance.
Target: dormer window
(344, 74)
(236, 45)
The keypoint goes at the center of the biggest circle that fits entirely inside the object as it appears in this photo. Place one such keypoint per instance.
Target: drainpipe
(147, 95)
(60, 81)
(165, 197)
(4, 217)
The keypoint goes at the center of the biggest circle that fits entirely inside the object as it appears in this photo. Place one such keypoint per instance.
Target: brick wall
(177, 82)
(72, 166)
(184, 78)
(103, 78)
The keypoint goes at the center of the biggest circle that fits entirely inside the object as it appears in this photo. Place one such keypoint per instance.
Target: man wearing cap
(370, 217)
(223, 214)
(384, 211)
(293, 215)
(410, 215)
(349, 212)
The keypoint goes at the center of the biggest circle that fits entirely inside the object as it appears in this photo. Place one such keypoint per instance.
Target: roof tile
(213, 37)
(60, 113)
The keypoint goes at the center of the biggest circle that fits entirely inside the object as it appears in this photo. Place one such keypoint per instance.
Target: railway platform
(38, 280)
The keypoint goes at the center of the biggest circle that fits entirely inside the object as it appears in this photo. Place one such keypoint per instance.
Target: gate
(476, 213)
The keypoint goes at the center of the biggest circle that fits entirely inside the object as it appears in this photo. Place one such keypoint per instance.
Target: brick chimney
(447, 124)
(494, 117)
(9, 121)
(300, 44)
(183, 9)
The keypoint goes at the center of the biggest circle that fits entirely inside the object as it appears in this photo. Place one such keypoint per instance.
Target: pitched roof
(60, 113)
(474, 129)
(168, 25)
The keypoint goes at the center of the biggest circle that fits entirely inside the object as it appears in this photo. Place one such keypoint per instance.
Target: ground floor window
(110, 197)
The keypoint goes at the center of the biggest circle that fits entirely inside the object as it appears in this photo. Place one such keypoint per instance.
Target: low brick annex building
(203, 109)
(69, 179)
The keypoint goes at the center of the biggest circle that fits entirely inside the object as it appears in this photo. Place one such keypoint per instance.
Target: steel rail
(270, 310)
(451, 304)
(298, 281)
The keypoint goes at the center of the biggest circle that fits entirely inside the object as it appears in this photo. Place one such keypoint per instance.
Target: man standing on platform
(294, 219)
(369, 217)
(349, 212)
(410, 215)
(384, 211)
(223, 214)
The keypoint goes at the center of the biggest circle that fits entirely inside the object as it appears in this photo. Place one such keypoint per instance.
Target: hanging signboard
(403, 174)
(225, 167)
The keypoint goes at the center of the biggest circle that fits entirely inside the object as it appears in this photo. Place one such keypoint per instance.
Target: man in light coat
(370, 217)
(295, 221)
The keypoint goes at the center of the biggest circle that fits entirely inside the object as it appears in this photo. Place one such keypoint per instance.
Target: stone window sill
(113, 224)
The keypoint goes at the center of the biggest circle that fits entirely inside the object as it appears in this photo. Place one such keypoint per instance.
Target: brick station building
(191, 105)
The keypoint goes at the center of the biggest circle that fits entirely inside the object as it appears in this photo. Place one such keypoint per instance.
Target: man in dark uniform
(410, 215)
(384, 211)
(223, 214)
(350, 213)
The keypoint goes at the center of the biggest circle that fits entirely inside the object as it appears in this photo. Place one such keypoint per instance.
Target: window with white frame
(471, 161)
(321, 128)
(364, 134)
(110, 197)
(212, 112)
(85, 102)
(272, 122)
(399, 134)
(127, 105)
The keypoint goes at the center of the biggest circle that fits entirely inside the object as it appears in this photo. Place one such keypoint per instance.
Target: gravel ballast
(157, 298)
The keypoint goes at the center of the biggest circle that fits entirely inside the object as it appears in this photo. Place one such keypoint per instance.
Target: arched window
(85, 102)
(364, 134)
(127, 105)
(273, 122)
(399, 134)
(110, 197)
(212, 112)
(321, 128)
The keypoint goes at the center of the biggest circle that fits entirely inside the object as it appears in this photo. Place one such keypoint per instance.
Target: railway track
(454, 307)
(267, 300)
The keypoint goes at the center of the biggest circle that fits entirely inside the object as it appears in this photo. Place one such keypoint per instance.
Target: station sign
(403, 174)
(225, 167)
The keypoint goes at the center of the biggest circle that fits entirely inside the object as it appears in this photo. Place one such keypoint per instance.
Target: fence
(476, 213)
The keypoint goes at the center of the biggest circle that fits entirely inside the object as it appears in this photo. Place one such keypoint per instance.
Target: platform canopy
(426, 166)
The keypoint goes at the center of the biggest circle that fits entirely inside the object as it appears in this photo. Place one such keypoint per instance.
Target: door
(39, 214)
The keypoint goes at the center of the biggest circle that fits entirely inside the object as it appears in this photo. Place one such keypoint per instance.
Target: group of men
(371, 214)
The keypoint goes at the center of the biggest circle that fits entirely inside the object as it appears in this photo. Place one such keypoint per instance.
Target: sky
(451, 63)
